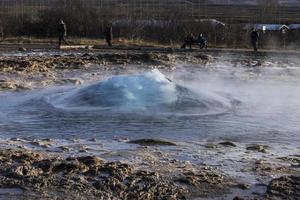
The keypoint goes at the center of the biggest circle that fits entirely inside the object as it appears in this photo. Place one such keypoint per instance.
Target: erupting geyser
(150, 90)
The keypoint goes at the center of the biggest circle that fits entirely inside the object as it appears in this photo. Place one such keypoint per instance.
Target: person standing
(254, 39)
(108, 34)
(62, 33)
(189, 41)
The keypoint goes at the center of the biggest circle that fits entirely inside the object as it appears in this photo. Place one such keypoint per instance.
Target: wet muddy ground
(33, 168)
(148, 172)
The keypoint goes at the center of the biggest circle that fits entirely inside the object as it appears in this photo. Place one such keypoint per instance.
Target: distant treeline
(85, 21)
(89, 22)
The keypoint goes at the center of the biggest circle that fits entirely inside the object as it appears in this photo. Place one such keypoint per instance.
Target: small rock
(227, 144)
(90, 160)
(15, 139)
(82, 151)
(41, 143)
(258, 148)
(259, 162)
(243, 186)
(152, 142)
(64, 148)
(238, 198)
(93, 140)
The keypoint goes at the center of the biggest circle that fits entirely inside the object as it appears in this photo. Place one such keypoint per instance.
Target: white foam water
(127, 91)
(151, 91)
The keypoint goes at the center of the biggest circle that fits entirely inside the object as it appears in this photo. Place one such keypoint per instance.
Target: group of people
(201, 41)
(190, 40)
(62, 33)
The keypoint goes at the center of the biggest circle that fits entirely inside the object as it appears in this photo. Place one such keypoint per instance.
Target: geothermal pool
(190, 103)
(191, 106)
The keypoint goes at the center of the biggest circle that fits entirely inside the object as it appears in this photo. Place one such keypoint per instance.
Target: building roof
(267, 27)
(294, 26)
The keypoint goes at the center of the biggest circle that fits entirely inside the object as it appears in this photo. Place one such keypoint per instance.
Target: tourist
(62, 32)
(108, 34)
(189, 41)
(254, 39)
(201, 41)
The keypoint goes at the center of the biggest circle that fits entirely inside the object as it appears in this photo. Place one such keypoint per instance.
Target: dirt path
(143, 48)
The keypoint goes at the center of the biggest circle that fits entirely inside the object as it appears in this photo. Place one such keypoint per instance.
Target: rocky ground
(147, 172)
(37, 175)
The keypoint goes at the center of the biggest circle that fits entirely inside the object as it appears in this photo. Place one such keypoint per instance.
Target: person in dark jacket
(108, 34)
(201, 41)
(254, 39)
(189, 41)
(62, 32)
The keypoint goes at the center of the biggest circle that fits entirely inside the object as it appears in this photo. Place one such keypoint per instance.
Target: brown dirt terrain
(38, 175)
